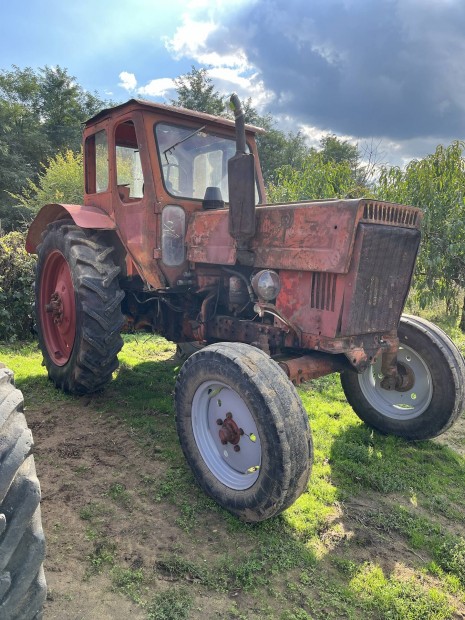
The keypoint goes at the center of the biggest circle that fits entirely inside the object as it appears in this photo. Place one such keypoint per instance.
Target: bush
(16, 288)
(60, 180)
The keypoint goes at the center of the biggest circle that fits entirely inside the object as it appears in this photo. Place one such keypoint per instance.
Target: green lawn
(380, 533)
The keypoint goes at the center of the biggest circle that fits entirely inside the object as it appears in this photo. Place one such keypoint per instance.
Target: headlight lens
(266, 284)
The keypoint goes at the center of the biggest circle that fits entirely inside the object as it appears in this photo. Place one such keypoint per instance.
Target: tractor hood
(306, 236)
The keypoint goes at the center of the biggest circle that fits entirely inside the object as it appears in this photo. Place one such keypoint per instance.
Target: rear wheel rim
(212, 404)
(57, 308)
(394, 404)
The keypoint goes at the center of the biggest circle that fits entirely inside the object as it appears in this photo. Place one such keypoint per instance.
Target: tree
(364, 166)
(314, 178)
(436, 184)
(41, 113)
(60, 180)
(277, 149)
(336, 150)
(64, 106)
(196, 91)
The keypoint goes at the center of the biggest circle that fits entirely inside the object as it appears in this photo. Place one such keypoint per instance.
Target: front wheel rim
(57, 308)
(216, 407)
(394, 404)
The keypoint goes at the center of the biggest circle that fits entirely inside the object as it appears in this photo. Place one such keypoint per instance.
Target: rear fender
(83, 216)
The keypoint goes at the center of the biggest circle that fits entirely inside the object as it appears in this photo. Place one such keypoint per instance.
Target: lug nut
(237, 448)
(219, 422)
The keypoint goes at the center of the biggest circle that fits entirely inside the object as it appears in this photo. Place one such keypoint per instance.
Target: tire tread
(22, 544)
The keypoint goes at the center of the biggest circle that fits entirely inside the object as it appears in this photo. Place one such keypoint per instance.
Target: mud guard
(83, 216)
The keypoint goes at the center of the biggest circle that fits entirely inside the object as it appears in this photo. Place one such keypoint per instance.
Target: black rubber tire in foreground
(440, 367)
(272, 404)
(98, 297)
(22, 545)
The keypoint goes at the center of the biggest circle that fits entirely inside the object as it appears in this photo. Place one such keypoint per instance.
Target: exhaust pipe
(241, 185)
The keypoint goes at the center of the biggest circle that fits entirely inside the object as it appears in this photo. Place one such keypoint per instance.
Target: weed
(295, 614)
(82, 470)
(179, 568)
(103, 555)
(117, 492)
(93, 511)
(128, 581)
(173, 604)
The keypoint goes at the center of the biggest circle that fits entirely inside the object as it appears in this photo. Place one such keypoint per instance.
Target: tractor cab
(149, 167)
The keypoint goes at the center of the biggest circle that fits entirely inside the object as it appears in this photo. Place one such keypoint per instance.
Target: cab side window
(97, 163)
(129, 177)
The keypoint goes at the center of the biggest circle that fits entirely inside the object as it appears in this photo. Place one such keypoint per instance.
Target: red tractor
(174, 235)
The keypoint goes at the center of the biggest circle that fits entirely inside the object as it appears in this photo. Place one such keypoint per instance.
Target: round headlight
(266, 284)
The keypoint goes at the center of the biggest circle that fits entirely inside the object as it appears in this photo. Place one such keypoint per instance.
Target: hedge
(16, 288)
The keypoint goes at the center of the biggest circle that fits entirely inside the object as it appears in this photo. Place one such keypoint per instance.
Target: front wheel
(243, 430)
(434, 392)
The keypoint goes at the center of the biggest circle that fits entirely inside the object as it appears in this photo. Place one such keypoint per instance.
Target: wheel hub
(411, 394)
(55, 308)
(403, 381)
(228, 442)
(230, 432)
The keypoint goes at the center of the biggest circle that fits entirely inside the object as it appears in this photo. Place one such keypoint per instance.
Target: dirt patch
(91, 471)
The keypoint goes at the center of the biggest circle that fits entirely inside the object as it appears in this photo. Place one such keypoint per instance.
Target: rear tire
(241, 387)
(22, 544)
(78, 307)
(435, 399)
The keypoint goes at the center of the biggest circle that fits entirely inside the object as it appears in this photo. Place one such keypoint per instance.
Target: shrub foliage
(16, 288)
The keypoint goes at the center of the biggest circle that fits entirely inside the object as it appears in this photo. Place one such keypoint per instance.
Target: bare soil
(81, 455)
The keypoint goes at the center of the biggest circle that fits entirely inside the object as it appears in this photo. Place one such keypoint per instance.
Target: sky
(388, 74)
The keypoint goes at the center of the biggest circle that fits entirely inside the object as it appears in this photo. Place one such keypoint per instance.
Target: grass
(378, 534)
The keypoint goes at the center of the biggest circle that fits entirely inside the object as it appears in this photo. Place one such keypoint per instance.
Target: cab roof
(183, 112)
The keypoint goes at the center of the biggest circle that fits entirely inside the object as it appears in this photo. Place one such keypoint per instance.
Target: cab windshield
(193, 159)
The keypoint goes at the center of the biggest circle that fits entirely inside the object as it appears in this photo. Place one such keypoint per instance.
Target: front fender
(83, 216)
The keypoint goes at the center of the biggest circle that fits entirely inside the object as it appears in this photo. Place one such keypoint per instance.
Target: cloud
(128, 81)
(190, 41)
(390, 68)
(228, 66)
(157, 88)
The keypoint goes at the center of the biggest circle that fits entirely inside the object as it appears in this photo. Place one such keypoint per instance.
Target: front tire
(78, 307)
(243, 430)
(22, 544)
(436, 391)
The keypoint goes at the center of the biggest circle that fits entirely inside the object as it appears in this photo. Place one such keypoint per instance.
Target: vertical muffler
(241, 185)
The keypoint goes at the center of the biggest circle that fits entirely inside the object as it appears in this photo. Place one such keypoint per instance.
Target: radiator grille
(323, 291)
(390, 214)
(387, 257)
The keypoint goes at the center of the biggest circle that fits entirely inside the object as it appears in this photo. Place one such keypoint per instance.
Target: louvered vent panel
(390, 214)
(323, 291)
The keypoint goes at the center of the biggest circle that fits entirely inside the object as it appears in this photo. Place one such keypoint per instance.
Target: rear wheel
(243, 430)
(434, 385)
(78, 307)
(22, 544)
